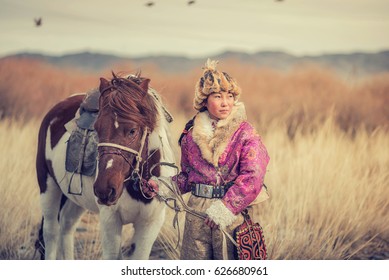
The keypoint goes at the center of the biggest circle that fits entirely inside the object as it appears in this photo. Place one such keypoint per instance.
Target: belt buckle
(205, 190)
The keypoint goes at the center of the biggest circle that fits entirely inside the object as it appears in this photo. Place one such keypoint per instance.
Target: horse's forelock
(130, 103)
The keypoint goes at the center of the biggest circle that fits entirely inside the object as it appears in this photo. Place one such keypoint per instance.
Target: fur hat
(213, 81)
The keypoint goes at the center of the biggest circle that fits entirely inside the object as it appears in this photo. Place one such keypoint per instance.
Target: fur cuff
(220, 214)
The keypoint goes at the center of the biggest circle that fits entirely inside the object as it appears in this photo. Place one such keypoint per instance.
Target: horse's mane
(127, 97)
(130, 103)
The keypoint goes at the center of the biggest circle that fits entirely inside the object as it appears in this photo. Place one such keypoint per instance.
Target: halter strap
(127, 149)
(142, 144)
(124, 148)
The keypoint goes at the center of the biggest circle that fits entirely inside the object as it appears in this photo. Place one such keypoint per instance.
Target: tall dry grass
(20, 210)
(329, 196)
(327, 137)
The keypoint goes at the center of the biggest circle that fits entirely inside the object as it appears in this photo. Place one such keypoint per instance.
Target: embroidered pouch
(250, 240)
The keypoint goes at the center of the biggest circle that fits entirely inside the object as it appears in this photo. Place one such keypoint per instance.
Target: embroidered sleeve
(253, 162)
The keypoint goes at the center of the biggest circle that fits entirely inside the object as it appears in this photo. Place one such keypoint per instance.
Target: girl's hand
(150, 189)
(209, 222)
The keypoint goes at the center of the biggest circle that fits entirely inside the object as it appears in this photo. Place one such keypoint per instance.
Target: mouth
(106, 202)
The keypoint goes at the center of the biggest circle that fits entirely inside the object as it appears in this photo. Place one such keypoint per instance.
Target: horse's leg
(111, 233)
(50, 203)
(69, 217)
(146, 232)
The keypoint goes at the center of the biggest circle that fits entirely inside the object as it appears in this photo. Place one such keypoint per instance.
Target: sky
(207, 27)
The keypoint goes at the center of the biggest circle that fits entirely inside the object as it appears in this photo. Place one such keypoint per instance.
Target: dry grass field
(327, 137)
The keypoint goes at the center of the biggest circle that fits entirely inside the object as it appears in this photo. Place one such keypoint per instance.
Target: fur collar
(213, 143)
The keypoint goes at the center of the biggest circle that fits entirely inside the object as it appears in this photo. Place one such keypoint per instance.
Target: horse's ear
(145, 85)
(104, 84)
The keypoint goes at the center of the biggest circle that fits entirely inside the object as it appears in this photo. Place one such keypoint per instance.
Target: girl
(223, 165)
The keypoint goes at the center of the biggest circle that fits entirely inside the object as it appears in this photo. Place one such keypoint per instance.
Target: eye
(131, 132)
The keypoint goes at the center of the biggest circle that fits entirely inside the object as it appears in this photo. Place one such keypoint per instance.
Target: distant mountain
(85, 61)
(361, 63)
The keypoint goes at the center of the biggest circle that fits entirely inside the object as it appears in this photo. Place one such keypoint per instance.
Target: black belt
(210, 191)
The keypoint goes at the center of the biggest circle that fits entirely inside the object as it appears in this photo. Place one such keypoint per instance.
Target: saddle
(81, 151)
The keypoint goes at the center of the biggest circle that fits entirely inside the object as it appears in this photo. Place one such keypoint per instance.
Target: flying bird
(149, 4)
(191, 2)
(38, 21)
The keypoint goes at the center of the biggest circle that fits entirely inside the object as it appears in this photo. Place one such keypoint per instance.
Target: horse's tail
(40, 242)
(41, 164)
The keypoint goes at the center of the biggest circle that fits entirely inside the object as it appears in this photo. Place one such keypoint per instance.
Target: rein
(177, 196)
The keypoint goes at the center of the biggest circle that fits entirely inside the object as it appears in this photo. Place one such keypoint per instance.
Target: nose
(111, 193)
(106, 195)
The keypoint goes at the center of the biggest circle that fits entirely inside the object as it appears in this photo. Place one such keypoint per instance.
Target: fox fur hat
(213, 81)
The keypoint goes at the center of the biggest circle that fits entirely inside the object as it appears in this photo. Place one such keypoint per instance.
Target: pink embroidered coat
(230, 151)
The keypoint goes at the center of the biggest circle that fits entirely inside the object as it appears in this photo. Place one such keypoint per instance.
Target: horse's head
(127, 114)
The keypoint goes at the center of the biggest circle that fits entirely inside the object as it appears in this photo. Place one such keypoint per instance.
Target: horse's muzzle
(108, 197)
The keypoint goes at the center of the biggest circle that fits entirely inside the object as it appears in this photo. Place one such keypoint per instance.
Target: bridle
(117, 150)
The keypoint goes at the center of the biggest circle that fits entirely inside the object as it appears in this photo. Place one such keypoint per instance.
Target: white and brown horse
(133, 135)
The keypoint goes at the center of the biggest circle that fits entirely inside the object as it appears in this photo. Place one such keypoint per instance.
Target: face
(114, 164)
(220, 104)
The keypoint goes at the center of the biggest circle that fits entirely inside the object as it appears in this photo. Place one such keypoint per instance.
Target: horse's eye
(131, 132)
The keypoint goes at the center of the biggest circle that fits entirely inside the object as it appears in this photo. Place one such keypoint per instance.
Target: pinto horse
(133, 135)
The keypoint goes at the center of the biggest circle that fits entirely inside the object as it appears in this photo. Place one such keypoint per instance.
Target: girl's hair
(189, 125)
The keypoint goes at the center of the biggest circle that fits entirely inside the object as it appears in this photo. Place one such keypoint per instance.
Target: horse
(133, 136)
